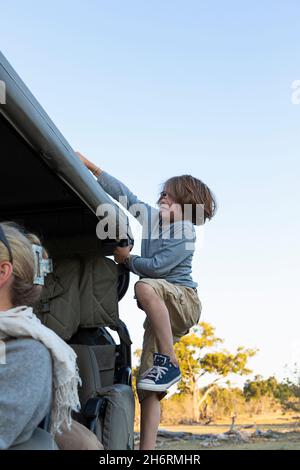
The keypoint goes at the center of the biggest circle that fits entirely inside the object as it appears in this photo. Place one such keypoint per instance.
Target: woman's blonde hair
(23, 291)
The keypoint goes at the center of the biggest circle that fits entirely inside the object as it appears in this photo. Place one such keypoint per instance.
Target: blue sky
(149, 90)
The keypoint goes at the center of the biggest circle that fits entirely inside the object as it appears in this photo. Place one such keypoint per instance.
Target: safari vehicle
(47, 189)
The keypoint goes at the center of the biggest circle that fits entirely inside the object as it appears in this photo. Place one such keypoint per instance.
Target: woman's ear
(6, 270)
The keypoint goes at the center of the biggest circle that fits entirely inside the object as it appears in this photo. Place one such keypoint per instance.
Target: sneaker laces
(157, 372)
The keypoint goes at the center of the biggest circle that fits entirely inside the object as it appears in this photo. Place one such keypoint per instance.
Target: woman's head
(188, 193)
(17, 265)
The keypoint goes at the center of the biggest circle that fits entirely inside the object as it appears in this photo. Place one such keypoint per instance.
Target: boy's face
(168, 208)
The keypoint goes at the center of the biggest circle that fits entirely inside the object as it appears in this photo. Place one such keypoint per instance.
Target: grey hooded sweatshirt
(166, 251)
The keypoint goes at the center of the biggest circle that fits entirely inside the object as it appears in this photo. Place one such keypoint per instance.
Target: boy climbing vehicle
(166, 291)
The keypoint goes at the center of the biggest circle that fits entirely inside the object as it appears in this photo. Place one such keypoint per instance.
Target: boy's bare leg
(150, 418)
(158, 314)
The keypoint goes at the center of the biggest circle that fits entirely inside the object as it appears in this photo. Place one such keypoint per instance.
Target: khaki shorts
(184, 308)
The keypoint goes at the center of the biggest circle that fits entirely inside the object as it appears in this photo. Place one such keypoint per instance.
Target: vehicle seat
(79, 300)
(107, 410)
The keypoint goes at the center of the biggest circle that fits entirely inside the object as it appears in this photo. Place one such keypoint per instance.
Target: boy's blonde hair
(23, 291)
(187, 189)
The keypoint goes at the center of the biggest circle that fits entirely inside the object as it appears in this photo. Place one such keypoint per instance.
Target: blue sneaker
(161, 376)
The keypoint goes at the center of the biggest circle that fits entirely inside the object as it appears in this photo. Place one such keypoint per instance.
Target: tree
(270, 387)
(199, 355)
(292, 402)
(135, 370)
(286, 393)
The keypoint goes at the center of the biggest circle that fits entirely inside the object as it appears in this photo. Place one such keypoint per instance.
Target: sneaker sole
(157, 388)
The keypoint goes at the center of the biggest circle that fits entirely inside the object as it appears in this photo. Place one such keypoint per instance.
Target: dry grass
(287, 441)
(288, 425)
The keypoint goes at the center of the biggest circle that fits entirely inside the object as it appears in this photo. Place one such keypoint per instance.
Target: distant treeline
(203, 358)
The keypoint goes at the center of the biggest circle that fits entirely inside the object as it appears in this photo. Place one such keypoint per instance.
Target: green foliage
(270, 387)
(198, 354)
(291, 401)
(223, 402)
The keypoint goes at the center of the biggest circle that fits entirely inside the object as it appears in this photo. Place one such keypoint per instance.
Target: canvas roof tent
(43, 183)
